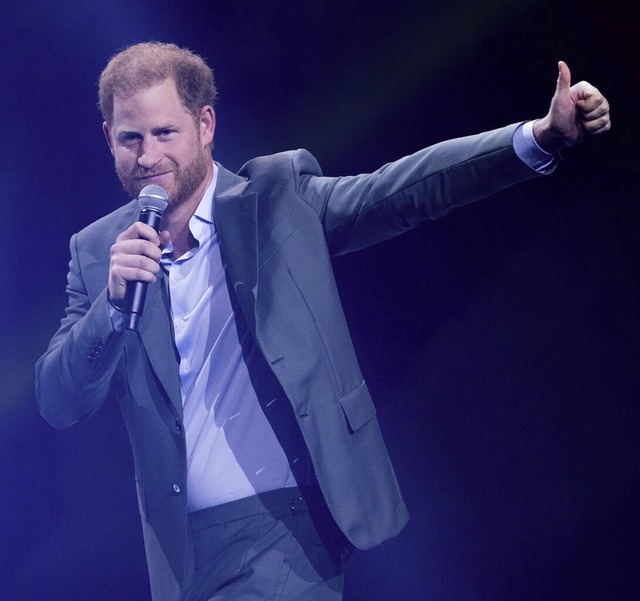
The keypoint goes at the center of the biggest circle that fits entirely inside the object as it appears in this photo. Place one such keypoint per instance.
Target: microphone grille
(153, 197)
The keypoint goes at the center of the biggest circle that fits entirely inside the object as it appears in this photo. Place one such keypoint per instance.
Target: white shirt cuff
(530, 152)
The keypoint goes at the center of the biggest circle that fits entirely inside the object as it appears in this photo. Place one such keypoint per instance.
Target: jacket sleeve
(74, 375)
(362, 210)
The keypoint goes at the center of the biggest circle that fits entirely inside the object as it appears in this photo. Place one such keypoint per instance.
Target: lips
(151, 176)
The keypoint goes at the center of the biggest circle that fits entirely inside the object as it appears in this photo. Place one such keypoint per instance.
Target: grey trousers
(281, 545)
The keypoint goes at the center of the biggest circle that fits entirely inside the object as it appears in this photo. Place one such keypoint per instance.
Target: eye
(129, 137)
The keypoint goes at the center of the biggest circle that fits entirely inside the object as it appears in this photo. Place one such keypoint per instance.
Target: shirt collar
(204, 210)
(202, 215)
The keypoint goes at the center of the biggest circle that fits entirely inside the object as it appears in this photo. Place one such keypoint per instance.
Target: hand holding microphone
(135, 256)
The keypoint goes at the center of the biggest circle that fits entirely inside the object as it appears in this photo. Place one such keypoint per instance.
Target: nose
(149, 153)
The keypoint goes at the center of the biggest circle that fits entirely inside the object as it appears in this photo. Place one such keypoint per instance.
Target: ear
(107, 135)
(207, 125)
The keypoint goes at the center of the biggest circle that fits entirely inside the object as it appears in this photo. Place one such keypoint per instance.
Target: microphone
(153, 200)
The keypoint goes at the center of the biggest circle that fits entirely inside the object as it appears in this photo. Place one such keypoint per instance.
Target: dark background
(501, 343)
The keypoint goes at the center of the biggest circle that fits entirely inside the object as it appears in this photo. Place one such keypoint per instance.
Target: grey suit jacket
(279, 222)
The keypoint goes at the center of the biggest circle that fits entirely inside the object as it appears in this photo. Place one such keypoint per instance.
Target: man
(259, 460)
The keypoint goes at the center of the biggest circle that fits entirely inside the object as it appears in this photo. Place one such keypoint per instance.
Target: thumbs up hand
(575, 112)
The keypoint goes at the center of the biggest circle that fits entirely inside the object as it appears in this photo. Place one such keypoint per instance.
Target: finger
(165, 236)
(126, 268)
(586, 93)
(596, 105)
(597, 126)
(140, 230)
(563, 83)
(133, 267)
(137, 246)
(123, 275)
(135, 255)
(602, 110)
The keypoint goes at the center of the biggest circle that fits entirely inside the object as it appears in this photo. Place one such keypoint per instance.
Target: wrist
(118, 305)
(544, 135)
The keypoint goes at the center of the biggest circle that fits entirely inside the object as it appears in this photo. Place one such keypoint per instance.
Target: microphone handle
(137, 291)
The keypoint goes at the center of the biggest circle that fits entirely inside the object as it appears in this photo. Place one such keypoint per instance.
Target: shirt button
(181, 323)
(176, 489)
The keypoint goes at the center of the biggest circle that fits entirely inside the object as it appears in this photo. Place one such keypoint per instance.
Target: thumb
(564, 78)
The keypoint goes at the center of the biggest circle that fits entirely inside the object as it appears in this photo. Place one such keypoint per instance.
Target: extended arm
(359, 211)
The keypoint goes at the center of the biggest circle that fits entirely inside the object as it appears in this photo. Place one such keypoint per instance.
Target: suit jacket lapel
(156, 333)
(235, 216)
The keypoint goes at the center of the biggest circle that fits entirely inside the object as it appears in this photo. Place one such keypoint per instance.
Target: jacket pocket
(358, 407)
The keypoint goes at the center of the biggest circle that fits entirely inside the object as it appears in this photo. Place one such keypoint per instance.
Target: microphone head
(153, 198)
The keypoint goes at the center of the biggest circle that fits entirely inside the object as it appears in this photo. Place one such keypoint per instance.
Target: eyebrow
(123, 133)
(154, 130)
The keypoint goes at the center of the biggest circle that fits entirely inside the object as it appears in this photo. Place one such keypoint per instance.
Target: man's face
(154, 140)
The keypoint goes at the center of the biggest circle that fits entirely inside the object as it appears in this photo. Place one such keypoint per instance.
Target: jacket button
(176, 489)
(178, 426)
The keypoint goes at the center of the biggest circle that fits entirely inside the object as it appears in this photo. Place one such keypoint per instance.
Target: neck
(181, 236)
